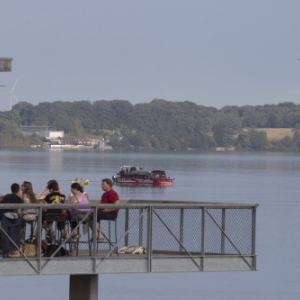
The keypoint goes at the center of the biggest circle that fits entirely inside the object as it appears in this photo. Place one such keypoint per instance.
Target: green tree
(258, 140)
(243, 141)
(296, 139)
(225, 129)
(154, 143)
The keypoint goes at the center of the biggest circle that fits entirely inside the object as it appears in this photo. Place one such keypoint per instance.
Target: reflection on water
(55, 160)
(271, 180)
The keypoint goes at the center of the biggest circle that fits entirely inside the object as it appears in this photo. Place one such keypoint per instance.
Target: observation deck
(175, 236)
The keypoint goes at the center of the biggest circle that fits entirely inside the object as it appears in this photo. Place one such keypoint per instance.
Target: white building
(53, 134)
(49, 132)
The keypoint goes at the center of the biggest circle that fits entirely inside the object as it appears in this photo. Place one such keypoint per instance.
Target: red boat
(132, 175)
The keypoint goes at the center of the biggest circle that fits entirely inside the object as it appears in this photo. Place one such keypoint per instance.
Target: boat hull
(146, 182)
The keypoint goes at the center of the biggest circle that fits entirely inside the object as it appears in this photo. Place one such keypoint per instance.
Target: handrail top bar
(134, 204)
(186, 202)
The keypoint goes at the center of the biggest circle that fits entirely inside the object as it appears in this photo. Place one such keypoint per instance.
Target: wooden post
(83, 287)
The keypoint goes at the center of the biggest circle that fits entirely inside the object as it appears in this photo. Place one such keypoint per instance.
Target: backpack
(51, 248)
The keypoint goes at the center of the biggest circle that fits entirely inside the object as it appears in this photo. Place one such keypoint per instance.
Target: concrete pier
(84, 287)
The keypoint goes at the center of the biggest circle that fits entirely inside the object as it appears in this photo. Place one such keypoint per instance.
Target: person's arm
(69, 198)
(72, 199)
(108, 210)
(86, 196)
(41, 194)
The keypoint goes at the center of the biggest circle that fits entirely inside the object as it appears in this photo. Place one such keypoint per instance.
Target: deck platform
(177, 237)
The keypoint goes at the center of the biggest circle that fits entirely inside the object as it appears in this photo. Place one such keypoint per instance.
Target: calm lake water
(271, 180)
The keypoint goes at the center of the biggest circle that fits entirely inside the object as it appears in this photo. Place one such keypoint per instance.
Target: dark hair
(15, 188)
(77, 187)
(108, 181)
(52, 185)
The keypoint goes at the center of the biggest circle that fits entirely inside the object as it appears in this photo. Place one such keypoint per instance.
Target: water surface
(271, 180)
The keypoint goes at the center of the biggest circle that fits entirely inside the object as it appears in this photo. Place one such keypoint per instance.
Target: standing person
(109, 196)
(28, 196)
(53, 197)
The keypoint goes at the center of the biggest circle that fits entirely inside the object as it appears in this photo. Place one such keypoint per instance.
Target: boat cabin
(159, 174)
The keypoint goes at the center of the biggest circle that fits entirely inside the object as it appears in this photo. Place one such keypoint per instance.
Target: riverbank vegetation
(160, 125)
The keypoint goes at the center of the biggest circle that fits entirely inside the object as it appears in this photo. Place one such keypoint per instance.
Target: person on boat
(52, 195)
(109, 196)
(28, 196)
(77, 197)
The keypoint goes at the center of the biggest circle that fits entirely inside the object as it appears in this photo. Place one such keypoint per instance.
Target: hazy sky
(211, 52)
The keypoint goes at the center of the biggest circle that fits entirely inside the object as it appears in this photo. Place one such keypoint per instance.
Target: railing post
(141, 222)
(149, 238)
(39, 238)
(181, 228)
(253, 250)
(94, 235)
(126, 226)
(203, 237)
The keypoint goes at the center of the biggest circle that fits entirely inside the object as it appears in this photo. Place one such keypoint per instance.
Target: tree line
(158, 125)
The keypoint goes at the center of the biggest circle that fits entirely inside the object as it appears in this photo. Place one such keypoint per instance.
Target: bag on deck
(29, 250)
(51, 248)
(44, 246)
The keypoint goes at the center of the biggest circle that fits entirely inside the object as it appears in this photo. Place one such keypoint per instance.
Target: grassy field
(277, 133)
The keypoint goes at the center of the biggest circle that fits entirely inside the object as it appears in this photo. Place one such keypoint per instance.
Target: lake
(269, 179)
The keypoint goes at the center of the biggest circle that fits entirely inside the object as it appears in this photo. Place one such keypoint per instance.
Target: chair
(55, 217)
(83, 237)
(30, 220)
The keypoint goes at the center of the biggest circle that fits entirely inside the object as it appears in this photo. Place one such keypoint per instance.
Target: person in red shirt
(109, 196)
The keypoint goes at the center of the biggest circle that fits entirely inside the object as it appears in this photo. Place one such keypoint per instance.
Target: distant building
(53, 134)
(49, 132)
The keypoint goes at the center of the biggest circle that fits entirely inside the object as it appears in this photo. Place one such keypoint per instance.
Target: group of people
(51, 194)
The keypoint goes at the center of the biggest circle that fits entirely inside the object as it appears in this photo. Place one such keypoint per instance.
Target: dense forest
(160, 124)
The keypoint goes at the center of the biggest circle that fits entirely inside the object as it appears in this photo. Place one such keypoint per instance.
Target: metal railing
(168, 236)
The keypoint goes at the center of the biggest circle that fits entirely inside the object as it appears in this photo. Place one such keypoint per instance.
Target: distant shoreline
(69, 147)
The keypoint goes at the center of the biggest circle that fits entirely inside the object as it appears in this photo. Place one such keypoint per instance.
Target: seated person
(53, 197)
(81, 186)
(28, 197)
(11, 221)
(109, 196)
(13, 198)
(77, 197)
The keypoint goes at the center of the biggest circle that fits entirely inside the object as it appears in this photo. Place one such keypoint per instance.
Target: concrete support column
(83, 287)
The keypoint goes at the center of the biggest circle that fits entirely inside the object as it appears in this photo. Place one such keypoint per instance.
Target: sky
(210, 52)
